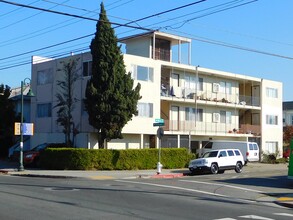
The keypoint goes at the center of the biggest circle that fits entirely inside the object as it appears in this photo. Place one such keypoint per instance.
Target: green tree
(66, 100)
(111, 99)
(7, 120)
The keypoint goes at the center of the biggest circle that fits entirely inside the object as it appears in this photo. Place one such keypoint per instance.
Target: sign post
(160, 133)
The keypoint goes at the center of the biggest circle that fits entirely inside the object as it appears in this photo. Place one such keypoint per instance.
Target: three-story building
(197, 104)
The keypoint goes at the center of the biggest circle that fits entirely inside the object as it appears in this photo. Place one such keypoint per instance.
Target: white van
(249, 150)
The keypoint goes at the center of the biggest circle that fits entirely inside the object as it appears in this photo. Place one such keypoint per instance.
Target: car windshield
(210, 154)
(39, 147)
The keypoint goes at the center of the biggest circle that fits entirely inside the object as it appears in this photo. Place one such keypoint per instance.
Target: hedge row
(102, 159)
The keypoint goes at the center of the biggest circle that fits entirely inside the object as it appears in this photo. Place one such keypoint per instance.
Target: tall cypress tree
(111, 100)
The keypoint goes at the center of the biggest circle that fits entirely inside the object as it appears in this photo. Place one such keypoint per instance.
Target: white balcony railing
(210, 127)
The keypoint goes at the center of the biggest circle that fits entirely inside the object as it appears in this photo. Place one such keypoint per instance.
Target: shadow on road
(272, 182)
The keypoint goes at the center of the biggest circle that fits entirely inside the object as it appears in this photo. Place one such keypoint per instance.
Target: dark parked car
(14, 153)
(32, 157)
(286, 152)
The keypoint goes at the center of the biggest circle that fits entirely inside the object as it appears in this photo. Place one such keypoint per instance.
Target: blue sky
(263, 26)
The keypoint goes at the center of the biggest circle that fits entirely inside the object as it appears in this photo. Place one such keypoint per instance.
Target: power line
(47, 47)
(144, 18)
(220, 43)
(24, 19)
(194, 38)
(214, 12)
(70, 15)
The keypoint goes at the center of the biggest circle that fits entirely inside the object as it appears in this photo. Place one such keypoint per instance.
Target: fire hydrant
(159, 168)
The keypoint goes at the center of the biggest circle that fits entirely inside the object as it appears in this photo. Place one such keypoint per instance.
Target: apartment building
(197, 104)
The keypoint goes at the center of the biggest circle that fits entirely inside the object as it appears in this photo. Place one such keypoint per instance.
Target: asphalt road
(228, 196)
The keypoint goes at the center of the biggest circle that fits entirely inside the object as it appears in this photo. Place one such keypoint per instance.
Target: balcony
(210, 97)
(208, 128)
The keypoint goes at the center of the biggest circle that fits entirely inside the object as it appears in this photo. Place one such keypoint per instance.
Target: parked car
(31, 157)
(286, 152)
(217, 161)
(14, 152)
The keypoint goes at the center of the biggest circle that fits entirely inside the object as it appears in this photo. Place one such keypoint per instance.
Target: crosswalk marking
(255, 217)
(284, 214)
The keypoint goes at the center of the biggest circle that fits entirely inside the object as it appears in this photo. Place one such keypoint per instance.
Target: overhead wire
(167, 11)
(17, 9)
(211, 42)
(68, 14)
(24, 19)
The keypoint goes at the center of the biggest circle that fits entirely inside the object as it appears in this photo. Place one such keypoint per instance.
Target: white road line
(186, 189)
(225, 185)
(173, 187)
(225, 219)
(255, 217)
(284, 214)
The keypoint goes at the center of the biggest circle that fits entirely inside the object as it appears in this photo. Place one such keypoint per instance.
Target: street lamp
(29, 94)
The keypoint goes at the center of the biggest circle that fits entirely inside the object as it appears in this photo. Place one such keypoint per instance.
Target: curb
(4, 171)
(285, 201)
(166, 176)
(43, 176)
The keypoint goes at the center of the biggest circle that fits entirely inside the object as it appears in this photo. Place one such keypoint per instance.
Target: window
(272, 92)
(200, 84)
(44, 110)
(272, 120)
(230, 153)
(291, 120)
(223, 154)
(225, 117)
(199, 116)
(83, 108)
(143, 73)
(145, 109)
(209, 145)
(225, 88)
(190, 82)
(237, 152)
(45, 76)
(87, 68)
(271, 147)
(189, 114)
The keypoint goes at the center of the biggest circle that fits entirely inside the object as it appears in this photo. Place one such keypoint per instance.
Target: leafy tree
(7, 120)
(66, 99)
(111, 100)
(287, 134)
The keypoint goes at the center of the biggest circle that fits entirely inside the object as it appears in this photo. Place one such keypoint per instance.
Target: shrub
(102, 159)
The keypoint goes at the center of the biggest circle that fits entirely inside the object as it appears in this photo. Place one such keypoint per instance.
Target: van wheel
(238, 167)
(214, 168)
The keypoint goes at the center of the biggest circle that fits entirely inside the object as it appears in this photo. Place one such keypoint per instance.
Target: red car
(286, 152)
(31, 157)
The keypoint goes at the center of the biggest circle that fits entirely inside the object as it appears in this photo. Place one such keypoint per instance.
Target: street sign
(158, 124)
(159, 120)
(27, 128)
